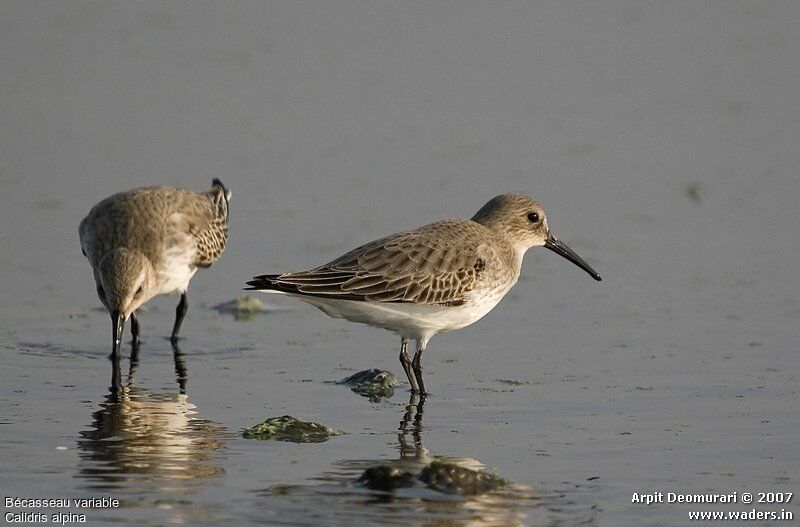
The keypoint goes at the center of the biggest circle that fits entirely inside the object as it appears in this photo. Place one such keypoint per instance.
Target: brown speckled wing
(207, 221)
(435, 264)
(156, 221)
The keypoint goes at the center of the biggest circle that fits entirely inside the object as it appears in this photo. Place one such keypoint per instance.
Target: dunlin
(436, 278)
(150, 241)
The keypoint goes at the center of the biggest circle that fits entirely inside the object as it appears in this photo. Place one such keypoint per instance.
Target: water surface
(660, 138)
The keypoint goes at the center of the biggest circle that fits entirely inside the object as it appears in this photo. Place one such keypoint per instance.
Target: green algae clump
(440, 475)
(242, 308)
(291, 429)
(373, 383)
(450, 478)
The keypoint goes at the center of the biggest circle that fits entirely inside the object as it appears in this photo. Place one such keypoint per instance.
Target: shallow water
(661, 141)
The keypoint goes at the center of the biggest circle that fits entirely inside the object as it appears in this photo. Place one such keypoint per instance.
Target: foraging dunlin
(436, 278)
(150, 241)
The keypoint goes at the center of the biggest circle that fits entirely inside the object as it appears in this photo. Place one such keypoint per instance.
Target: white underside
(412, 321)
(175, 276)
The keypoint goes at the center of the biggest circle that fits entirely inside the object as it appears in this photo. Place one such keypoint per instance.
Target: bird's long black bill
(118, 325)
(559, 247)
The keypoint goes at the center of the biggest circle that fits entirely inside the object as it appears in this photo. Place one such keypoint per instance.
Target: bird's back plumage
(437, 264)
(156, 220)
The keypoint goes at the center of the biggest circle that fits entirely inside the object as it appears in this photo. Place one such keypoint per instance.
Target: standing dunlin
(436, 278)
(150, 241)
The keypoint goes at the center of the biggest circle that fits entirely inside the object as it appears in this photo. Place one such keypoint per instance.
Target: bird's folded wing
(425, 266)
(206, 224)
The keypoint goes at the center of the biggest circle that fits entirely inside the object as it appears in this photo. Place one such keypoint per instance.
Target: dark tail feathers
(264, 282)
(217, 183)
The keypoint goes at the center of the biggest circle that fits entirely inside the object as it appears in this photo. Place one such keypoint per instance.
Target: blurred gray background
(337, 122)
(662, 138)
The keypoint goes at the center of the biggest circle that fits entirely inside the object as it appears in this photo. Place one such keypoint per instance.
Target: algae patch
(439, 475)
(373, 383)
(695, 192)
(291, 429)
(242, 308)
(450, 478)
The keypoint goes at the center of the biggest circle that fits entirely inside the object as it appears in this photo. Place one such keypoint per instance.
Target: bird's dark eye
(533, 217)
(140, 290)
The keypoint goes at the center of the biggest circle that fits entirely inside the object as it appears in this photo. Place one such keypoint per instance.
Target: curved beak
(559, 247)
(118, 325)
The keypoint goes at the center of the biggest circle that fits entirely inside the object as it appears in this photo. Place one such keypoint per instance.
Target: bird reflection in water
(473, 497)
(396, 490)
(149, 443)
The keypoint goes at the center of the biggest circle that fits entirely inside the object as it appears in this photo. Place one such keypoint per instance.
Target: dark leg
(416, 409)
(134, 364)
(417, 431)
(134, 330)
(405, 360)
(180, 367)
(412, 404)
(180, 312)
(116, 378)
(416, 364)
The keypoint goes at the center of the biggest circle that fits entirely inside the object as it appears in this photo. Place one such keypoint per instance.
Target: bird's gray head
(125, 280)
(524, 224)
(520, 219)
